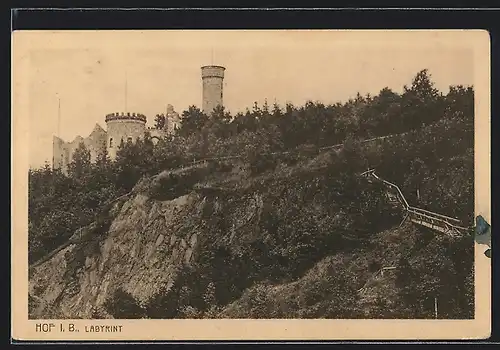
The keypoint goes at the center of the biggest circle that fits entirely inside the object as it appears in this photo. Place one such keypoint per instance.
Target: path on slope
(418, 216)
(434, 221)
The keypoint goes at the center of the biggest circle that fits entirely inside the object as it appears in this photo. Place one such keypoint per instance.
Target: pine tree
(192, 121)
(277, 113)
(160, 121)
(80, 164)
(103, 160)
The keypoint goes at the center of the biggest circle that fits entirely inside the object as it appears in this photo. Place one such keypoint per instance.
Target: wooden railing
(298, 150)
(435, 221)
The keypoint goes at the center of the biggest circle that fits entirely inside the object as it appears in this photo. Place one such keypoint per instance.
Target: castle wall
(172, 121)
(213, 78)
(60, 154)
(123, 129)
(157, 134)
(73, 145)
(96, 142)
(63, 151)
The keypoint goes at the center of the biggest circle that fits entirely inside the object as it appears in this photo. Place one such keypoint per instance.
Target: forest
(430, 153)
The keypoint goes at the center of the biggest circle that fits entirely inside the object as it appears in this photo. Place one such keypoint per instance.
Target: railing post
(406, 216)
(435, 307)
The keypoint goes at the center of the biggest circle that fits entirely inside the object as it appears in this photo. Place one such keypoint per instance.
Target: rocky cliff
(146, 244)
(297, 242)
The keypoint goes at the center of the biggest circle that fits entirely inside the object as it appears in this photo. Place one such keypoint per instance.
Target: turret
(212, 78)
(123, 126)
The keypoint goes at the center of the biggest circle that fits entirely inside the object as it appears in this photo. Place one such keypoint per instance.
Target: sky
(87, 72)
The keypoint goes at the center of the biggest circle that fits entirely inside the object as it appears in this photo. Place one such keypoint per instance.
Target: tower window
(110, 142)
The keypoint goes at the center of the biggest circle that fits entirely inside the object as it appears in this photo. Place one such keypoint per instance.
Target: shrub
(122, 305)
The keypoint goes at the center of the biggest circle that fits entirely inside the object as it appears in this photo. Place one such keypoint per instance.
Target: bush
(123, 306)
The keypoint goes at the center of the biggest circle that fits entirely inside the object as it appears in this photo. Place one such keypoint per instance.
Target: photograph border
(233, 329)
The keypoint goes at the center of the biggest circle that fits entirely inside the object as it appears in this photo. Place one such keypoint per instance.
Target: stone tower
(123, 126)
(173, 120)
(212, 77)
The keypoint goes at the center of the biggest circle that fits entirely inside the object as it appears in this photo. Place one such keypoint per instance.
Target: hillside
(284, 228)
(281, 246)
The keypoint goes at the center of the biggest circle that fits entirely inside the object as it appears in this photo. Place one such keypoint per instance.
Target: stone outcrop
(148, 241)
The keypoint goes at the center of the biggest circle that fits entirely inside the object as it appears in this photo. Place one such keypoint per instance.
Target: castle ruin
(121, 127)
(63, 151)
(127, 127)
(172, 120)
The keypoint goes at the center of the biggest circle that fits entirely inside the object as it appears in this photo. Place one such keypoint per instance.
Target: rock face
(148, 242)
(276, 247)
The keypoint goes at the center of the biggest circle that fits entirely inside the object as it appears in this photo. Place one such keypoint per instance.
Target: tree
(192, 121)
(422, 103)
(103, 161)
(219, 123)
(276, 112)
(381, 115)
(460, 106)
(103, 176)
(422, 86)
(256, 110)
(265, 109)
(80, 163)
(146, 147)
(244, 122)
(160, 120)
(128, 165)
(221, 115)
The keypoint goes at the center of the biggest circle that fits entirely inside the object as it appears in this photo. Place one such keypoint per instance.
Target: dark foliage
(123, 306)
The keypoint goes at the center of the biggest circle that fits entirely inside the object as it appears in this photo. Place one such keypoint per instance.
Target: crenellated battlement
(212, 72)
(126, 116)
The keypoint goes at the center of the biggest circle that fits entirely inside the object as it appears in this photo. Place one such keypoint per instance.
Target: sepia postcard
(251, 185)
